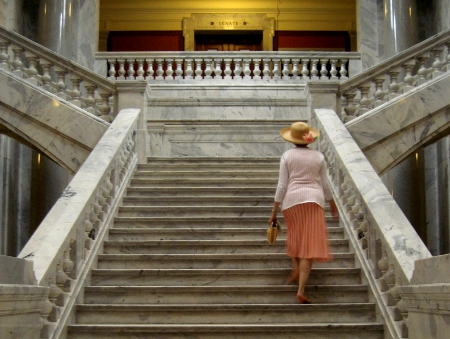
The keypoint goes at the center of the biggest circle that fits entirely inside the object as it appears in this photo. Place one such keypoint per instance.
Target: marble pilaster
(88, 32)
(367, 26)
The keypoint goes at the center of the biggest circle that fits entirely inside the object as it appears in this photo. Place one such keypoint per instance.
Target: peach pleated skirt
(307, 234)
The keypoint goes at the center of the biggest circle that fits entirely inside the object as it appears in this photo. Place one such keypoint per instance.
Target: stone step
(184, 190)
(218, 277)
(248, 163)
(369, 330)
(207, 246)
(199, 200)
(182, 172)
(200, 222)
(229, 233)
(190, 210)
(213, 261)
(248, 183)
(238, 294)
(237, 314)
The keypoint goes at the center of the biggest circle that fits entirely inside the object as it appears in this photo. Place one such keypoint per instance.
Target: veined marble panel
(367, 25)
(88, 30)
(395, 129)
(64, 131)
(223, 140)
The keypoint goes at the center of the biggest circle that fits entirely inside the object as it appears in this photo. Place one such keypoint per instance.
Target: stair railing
(56, 74)
(394, 76)
(65, 246)
(227, 66)
(384, 241)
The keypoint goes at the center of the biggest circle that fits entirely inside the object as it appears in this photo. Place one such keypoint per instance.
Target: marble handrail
(395, 76)
(223, 66)
(385, 243)
(65, 245)
(57, 74)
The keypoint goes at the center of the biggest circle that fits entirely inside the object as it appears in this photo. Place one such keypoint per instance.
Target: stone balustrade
(395, 76)
(56, 74)
(65, 245)
(386, 244)
(227, 66)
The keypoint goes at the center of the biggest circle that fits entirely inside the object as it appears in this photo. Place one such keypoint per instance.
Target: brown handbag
(272, 232)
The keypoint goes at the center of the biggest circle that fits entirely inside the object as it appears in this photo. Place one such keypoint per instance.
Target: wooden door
(228, 42)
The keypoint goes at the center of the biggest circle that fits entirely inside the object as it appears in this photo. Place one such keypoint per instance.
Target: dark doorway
(228, 41)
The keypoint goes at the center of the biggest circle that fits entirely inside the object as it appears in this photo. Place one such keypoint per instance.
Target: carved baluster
(305, 69)
(343, 70)
(169, 69)
(364, 102)
(423, 71)
(4, 56)
(32, 71)
(227, 70)
(256, 69)
(62, 281)
(46, 77)
(140, 69)
(266, 69)
(198, 69)
(237, 72)
(438, 63)
(179, 69)
(53, 314)
(68, 265)
(285, 71)
(112, 69)
(409, 78)
(247, 70)
(130, 72)
(350, 108)
(362, 233)
(121, 70)
(333, 70)
(314, 70)
(17, 63)
(75, 92)
(90, 101)
(218, 74)
(383, 265)
(104, 106)
(61, 84)
(276, 70)
(189, 71)
(447, 67)
(394, 86)
(159, 69)
(379, 92)
(89, 233)
(150, 70)
(295, 69)
(323, 69)
(208, 68)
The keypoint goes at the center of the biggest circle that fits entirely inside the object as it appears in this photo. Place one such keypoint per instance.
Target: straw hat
(299, 133)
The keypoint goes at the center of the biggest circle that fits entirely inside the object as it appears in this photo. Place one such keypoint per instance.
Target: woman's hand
(273, 217)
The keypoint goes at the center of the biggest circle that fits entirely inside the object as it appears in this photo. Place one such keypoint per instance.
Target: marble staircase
(188, 258)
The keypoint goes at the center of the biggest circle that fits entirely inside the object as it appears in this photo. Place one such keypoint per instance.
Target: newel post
(320, 94)
(133, 94)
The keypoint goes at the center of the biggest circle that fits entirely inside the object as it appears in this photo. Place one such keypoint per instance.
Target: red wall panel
(134, 41)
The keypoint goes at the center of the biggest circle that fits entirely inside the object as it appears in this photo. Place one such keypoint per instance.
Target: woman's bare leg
(304, 271)
(293, 277)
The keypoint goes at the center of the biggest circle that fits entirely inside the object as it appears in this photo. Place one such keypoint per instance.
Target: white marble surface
(367, 26)
(403, 240)
(20, 311)
(395, 129)
(241, 119)
(16, 271)
(59, 225)
(88, 30)
(57, 128)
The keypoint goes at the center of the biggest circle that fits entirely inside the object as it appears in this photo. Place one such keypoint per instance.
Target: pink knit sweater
(302, 178)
